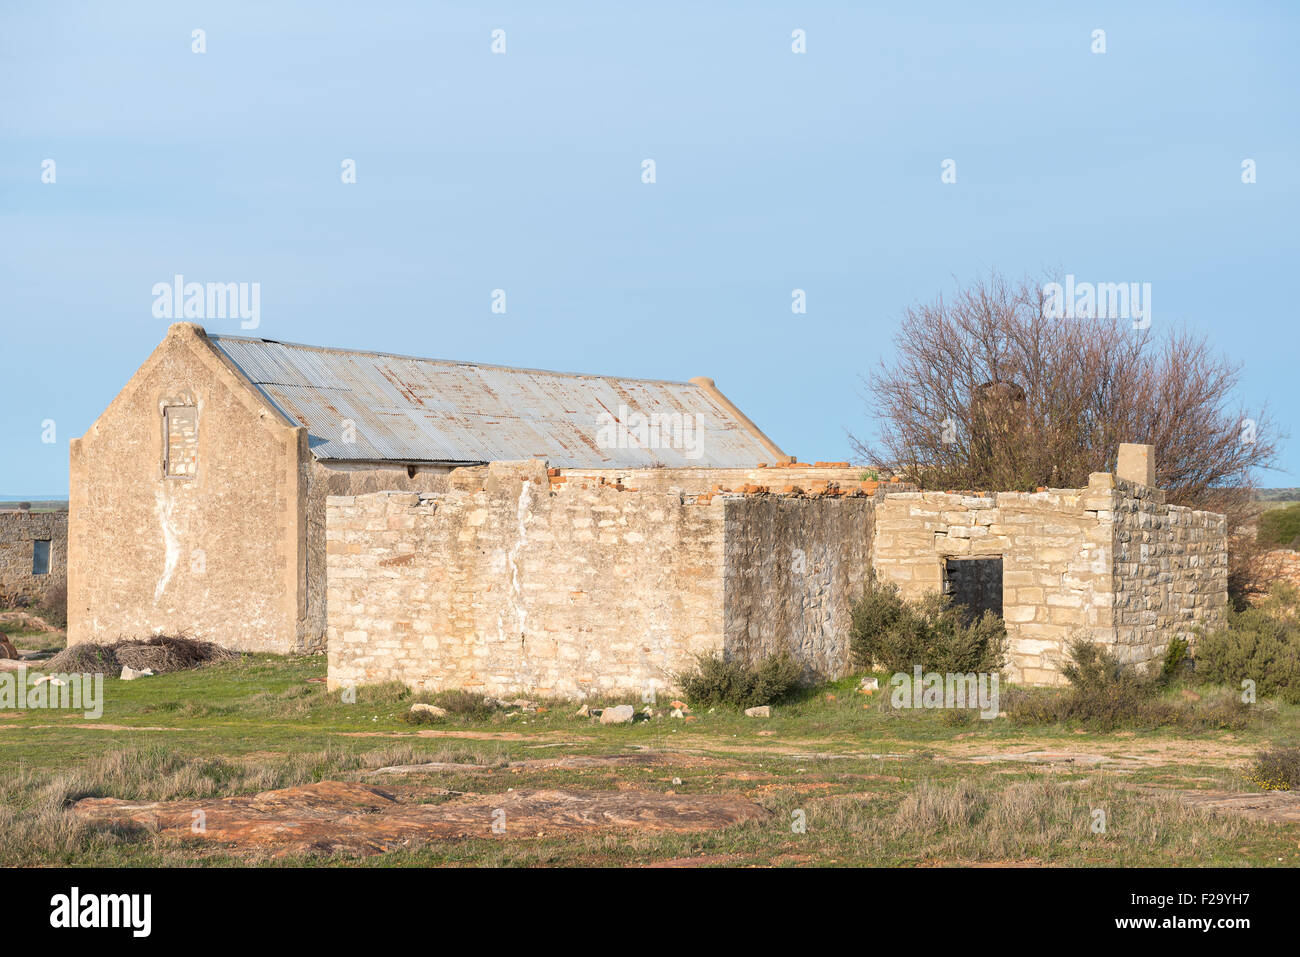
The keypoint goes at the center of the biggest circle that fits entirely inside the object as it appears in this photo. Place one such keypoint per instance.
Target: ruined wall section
(338, 478)
(500, 585)
(218, 554)
(1055, 564)
(1170, 570)
(18, 531)
(1111, 562)
(794, 567)
(807, 477)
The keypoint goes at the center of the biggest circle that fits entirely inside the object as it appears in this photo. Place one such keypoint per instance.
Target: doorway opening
(975, 584)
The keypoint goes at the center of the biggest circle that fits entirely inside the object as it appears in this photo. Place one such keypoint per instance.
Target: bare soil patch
(637, 759)
(350, 818)
(25, 621)
(1280, 806)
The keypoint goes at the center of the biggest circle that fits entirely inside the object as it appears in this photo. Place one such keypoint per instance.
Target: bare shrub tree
(984, 392)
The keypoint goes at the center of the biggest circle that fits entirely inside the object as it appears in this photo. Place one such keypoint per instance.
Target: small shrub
(718, 680)
(1276, 770)
(1175, 660)
(464, 704)
(1261, 643)
(1102, 690)
(873, 617)
(888, 632)
(1105, 695)
(53, 606)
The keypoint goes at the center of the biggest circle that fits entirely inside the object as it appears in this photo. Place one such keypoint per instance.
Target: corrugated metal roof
(430, 410)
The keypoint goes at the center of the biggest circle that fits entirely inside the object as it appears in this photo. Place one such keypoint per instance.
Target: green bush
(1105, 695)
(1276, 770)
(1261, 643)
(1175, 662)
(1280, 527)
(896, 635)
(718, 680)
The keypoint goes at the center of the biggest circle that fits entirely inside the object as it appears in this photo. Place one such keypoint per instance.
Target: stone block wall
(501, 584)
(1279, 565)
(516, 578)
(1055, 563)
(1170, 569)
(18, 531)
(1111, 562)
(337, 478)
(702, 480)
(217, 553)
(794, 567)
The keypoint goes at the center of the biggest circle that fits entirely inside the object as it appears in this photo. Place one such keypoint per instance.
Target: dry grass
(1040, 819)
(36, 826)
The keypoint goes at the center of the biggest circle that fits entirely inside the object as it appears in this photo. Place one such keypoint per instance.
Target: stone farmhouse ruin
(33, 554)
(505, 530)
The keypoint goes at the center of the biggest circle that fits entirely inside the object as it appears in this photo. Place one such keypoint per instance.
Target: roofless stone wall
(502, 585)
(794, 567)
(19, 532)
(516, 579)
(1111, 562)
(1170, 570)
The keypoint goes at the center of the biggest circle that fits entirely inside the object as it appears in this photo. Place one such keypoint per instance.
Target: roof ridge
(449, 362)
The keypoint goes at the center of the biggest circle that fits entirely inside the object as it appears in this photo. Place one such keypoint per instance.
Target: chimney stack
(1137, 463)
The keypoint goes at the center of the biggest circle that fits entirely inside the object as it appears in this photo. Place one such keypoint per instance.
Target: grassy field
(870, 784)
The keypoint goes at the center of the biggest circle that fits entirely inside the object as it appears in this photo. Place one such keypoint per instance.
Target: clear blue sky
(522, 171)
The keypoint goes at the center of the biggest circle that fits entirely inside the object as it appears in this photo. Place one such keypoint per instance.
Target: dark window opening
(975, 584)
(41, 556)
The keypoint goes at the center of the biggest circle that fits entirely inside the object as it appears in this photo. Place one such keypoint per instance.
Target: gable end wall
(220, 556)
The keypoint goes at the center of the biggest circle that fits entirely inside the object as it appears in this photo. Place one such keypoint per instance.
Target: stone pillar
(1137, 463)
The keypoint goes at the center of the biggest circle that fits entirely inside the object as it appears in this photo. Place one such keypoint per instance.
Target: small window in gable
(181, 427)
(41, 556)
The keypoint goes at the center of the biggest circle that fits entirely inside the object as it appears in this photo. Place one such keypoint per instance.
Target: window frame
(167, 411)
(49, 556)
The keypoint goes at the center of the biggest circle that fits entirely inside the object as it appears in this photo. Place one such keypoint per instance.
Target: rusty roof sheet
(431, 410)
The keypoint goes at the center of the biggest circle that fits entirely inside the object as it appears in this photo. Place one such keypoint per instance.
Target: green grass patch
(874, 785)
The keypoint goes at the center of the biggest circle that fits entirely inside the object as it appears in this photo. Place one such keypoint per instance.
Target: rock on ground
(617, 715)
(1280, 806)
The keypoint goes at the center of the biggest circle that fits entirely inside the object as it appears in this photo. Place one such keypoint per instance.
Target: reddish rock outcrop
(345, 817)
